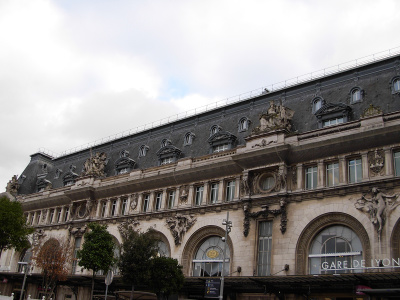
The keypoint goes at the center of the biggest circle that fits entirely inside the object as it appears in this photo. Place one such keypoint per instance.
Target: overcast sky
(73, 71)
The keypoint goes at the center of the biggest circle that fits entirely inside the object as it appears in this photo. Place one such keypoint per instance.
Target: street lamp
(24, 263)
(228, 225)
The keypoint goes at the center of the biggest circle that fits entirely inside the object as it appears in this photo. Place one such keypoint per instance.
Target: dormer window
(332, 114)
(356, 95)
(70, 177)
(165, 142)
(188, 138)
(124, 164)
(143, 150)
(221, 141)
(168, 154)
(317, 104)
(395, 84)
(243, 124)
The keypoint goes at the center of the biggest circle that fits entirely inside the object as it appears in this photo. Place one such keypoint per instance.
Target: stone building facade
(309, 175)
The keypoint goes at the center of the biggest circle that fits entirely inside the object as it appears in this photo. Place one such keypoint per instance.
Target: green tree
(13, 229)
(166, 277)
(97, 251)
(138, 249)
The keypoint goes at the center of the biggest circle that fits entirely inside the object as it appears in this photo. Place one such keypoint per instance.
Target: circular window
(267, 182)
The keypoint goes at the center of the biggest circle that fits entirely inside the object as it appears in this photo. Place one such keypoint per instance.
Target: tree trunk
(91, 293)
(133, 290)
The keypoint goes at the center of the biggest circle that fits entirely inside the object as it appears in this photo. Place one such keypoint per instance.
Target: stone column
(342, 170)
(206, 193)
(300, 177)
(221, 189)
(62, 214)
(365, 166)
(191, 196)
(118, 208)
(237, 188)
(107, 214)
(321, 174)
(98, 209)
(389, 168)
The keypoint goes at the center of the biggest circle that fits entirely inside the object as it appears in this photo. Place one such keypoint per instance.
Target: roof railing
(238, 98)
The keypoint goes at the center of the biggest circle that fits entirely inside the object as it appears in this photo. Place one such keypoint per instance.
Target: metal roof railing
(238, 98)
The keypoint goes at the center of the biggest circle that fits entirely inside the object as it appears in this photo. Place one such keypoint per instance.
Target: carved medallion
(376, 161)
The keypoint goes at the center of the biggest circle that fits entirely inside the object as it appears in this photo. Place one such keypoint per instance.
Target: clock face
(212, 253)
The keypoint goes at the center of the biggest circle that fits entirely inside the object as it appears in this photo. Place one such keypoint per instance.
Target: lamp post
(26, 272)
(228, 225)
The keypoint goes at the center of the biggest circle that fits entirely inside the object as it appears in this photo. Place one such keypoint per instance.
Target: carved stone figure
(94, 165)
(127, 226)
(184, 191)
(134, 201)
(376, 161)
(378, 206)
(277, 117)
(13, 186)
(37, 236)
(178, 225)
(245, 186)
(371, 111)
(77, 231)
(264, 212)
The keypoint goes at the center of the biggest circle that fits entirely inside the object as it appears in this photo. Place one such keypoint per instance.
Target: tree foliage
(138, 249)
(13, 229)
(97, 251)
(166, 277)
(53, 258)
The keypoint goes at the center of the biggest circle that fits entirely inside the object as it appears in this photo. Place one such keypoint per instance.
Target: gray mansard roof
(373, 81)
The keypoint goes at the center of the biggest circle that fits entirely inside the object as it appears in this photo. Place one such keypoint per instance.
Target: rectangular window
(51, 216)
(58, 215)
(158, 201)
(397, 163)
(124, 207)
(114, 207)
(75, 259)
(214, 192)
(333, 121)
(171, 199)
(355, 170)
(311, 177)
(199, 195)
(264, 249)
(230, 190)
(66, 214)
(103, 209)
(167, 160)
(332, 174)
(146, 201)
(220, 148)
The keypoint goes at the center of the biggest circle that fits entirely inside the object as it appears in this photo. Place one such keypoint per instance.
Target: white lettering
(333, 265)
(345, 264)
(324, 265)
(386, 260)
(363, 263)
(396, 262)
(377, 262)
(356, 263)
(339, 264)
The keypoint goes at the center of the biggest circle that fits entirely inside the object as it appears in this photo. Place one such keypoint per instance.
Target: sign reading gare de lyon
(359, 264)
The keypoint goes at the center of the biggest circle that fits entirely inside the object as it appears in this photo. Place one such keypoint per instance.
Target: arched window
(214, 129)
(209, 257)
(188, 138)
(143, 150)
(24, 260)
(336, 249)
(317, 104)
(163, 249)
(356, 95)
(395, 85)
(243, 124)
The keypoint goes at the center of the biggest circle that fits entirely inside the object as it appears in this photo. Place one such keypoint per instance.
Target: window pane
(397, 163)
(264, 249)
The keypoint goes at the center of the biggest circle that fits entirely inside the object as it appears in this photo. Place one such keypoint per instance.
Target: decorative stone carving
(371, 111)
(37, 236)
(378, 207)
(94, 165)
(134, 201)
(245, 186)
(180, 224)
(184, 192)
(263, 143)
(277, 117)
(127, 226)
(275, 180)
(43, 184)
(376, 161)
(77, 231)
(44, 214)
(294, 175)
(265, 212)
(84, 209)
(13, 186)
